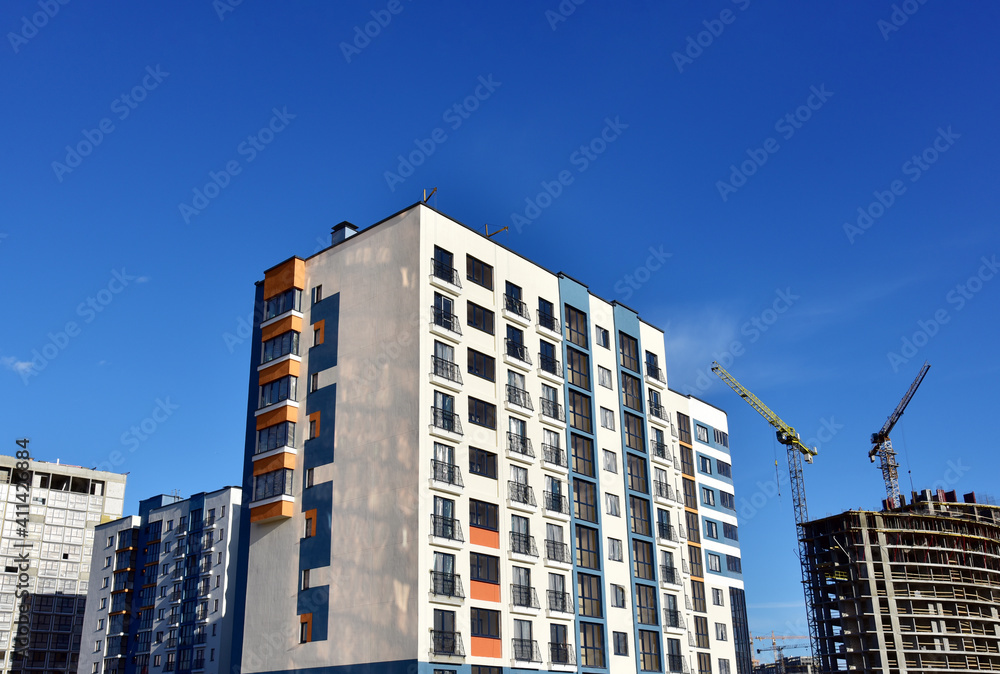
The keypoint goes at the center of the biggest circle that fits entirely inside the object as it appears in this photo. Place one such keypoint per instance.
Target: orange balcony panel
(281, 327)
(319, 330)
(282, 369)
(286, 413)
(484, 591)
(276, 462)
(289, 274)
(484, 647)
(271, 511)
(484, 537)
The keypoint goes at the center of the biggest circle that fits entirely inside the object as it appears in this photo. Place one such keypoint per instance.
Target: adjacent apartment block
(51, 561)
(163, 587)
(458, 461)
(913, 589)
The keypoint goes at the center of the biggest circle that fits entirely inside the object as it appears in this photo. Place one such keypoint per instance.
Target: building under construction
(912, 589)
(789, 665)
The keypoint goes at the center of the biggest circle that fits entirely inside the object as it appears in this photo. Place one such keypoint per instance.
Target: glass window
(730, 531)
(684, 428)
(721, 437)
(576, 327)
(638, 480)
(482, 365)
(724, 469)
(275, 483)
(701, 632)
(479, 272)
(578, 364)
(290, 300)
(484, 623)
(603, 338)
(483, 515)
(591, 645)
(629, 351)
(620, 642)
(617, 596)
(485, 568)
(612, 505)
(610, 461)
(698, 596)
(708, 496)
(642, 559)
(589, 592)
(282, 345)
(705, 464)
(733, 564)
(639, 511)
(649, 651)
(607, 418)
(278, 390)
(579, 412)
(482, 413)
(645, 602)
(583, 455)
(272, 437)
(480, 318)
(631, 392)
(720, 631)
(587, 552)
(701, 433)
(482, 462)
(711, 530)
(714, 562)
(635, 436)
(727, 500)
(614, 550)
(604, 377)
(585, 500)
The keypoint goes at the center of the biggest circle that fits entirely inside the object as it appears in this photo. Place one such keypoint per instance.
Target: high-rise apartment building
(163, 587)
(458, 461)
(49, 514)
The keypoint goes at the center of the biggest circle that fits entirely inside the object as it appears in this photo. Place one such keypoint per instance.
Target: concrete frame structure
(443, 472)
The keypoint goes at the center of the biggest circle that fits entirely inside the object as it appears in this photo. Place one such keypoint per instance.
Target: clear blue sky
(198, 89)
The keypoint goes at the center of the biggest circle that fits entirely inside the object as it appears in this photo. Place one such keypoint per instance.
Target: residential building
(48, 533)
(459, 461)
(164, 587)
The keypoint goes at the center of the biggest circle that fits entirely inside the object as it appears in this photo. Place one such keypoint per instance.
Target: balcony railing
(675, 663)
(526, 650)
(446, 527)
(518, 492)
(663, 490)
(666, 531)
(446, 584)
(556, 503)
(523, 596)
(552, 409)
(519, 444)
(561, 654)
(447, 643)
(660, 450)
(200, 638)
(446, 420)
(549, 364)
(445, 272)
(523, 544)
(199, 663)
(448, 473)
(557, 551)
(172, 642)
(446, 369)
(654, 372)
(168, 666)
(446, 320)
(672, 618)
(548, 321)
(517, 350)
(516, 306)
(669, 574)
(554, 455)
(560, 601)
(657, 411)
(520, 397)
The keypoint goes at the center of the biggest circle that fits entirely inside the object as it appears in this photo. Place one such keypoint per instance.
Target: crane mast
(882, 445)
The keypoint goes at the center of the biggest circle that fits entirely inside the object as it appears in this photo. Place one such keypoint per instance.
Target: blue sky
(740, 140)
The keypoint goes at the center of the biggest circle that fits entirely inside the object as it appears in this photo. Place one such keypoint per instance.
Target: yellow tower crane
(779, 651)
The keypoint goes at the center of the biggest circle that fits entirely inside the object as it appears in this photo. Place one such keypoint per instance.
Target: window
(714, 562)
(483, 515)
(482, 463)
(701, 631)
(583, 455)
(727, 500)
(111, 541)
(707, 496)
(310, 473)
(485, 568)
(603, 338)
(282, 345)
(482, 365)
(482, 669)
(721, 438)
(578, 364)
(649, 651)
(684, 428)
(638, 480)
(107, 562)
(690, 497)
(642, 559)
(733, 564)
(278, 390)
(587, 553)
(479, 272)
(576, 326)
(705, 464)
(579, 412)
(639, 512)
(617, 596)
(585, 500)
(290, 300)
(313, 429)
(305, 579)
(484, 623)
(701, 433)
(307, 528)
(612, 505)
(724, 666)
(629, 351)
(480, 318)
(687, 461)
(645, 602)
(591, 645)
(547, 315)
(730, 531)
(589, 591)
(631, 392)
(621, 642)
(547, 359)
(610, 461)
(604, 377)
(276, 483)
(614, 550)
(313, 383)
(317, 336)
(723, 469)
(720, 631)
(482, 413)
(711, 529)
(717, 598)
(443, 265)
(607, 418)
(106, 580)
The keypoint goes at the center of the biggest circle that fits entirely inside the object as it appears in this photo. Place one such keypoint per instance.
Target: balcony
(660, 450)
(562, 654)
(516, 350)
(552, 410)
(548, 322)
(447, 528)
(523, 596)
(200, 638)
(519, 445)
(445, 272)
(555, 456)
(172, 642)
(446, 421)
(519, 492)
(668, 574)
(557, 551)
(666, 531)
(446, 473)
(675, 663)
(523, 544)
(663, 490)
(199, 663)
(446, 585)
(550, 365)
(526, 650)
(447, 643)
(654, 372)
(556, 503)
(209, 522)
(520, 397)
(672, 618)
(561, 602)
(169, 665)
(658, 412)
(448, 322)
(512, 305)
(445, 371)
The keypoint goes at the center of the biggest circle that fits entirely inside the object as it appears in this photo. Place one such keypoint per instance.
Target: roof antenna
(428, 196)
(488, 235)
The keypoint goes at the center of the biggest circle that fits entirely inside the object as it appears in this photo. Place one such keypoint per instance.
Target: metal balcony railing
(552, 409)
(523, 544)
(660, 450)
(526, 650)
(675, 663)
(446, 527)
(554, 455)
(517, 350)
(446, 369)
(549, 364)
(446, 420)
(518, 492)
(556, 503)
(663, 490)
(446, 320)
(524, 596)
(448, 473)
(559, 601)
(548, 321)
(654, 372)
(657, 411)
(446, 584)
(445, 272)
(172, 642)
(561, 654)
(519, 444)
(199, 663)
(672, 618)
(169, 665)
(516, 306)
(557, 551)
(666, 531)
(520, 397)
(669, 574)
(447, 643)
(200, 638)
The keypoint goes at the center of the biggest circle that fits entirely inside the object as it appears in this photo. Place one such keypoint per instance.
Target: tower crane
(882, 446)
(795, 450)
(779, 651)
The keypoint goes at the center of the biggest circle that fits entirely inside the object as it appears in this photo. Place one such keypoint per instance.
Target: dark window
(585, 500)
(620, 642)
(721, 437)
(698, 596)
(583, 455)
(547, 315)
(639, 509)
(704, 661)
(576, 326)
(484, 568)
(701, 632)
(638, 480)
(278, 390)
(482, 413)
(692, 526)
(580, 416)
(579, 368)
(587, 549)
(484, 623)
(724, 469)
(645, 602)
(603, 339)
(727, 500)
(635, 436)
(284, 344)
(273, 437)
(479, 272)
(730, 531)
(642, 559)
(694, 559)
(483, 515)
(629, 351)
(591, 645)
(705, 464)
(690, 493)
(687, 461)
(290, 300)
(733, 564)
(482, 462)
(482, 365)
(711, 530)
(589, 592)
(684, 428)
(275, 483)
(649, 651)
(632, 392)
(480, 318)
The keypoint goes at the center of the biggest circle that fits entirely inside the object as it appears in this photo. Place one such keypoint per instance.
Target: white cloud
(15, 365)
